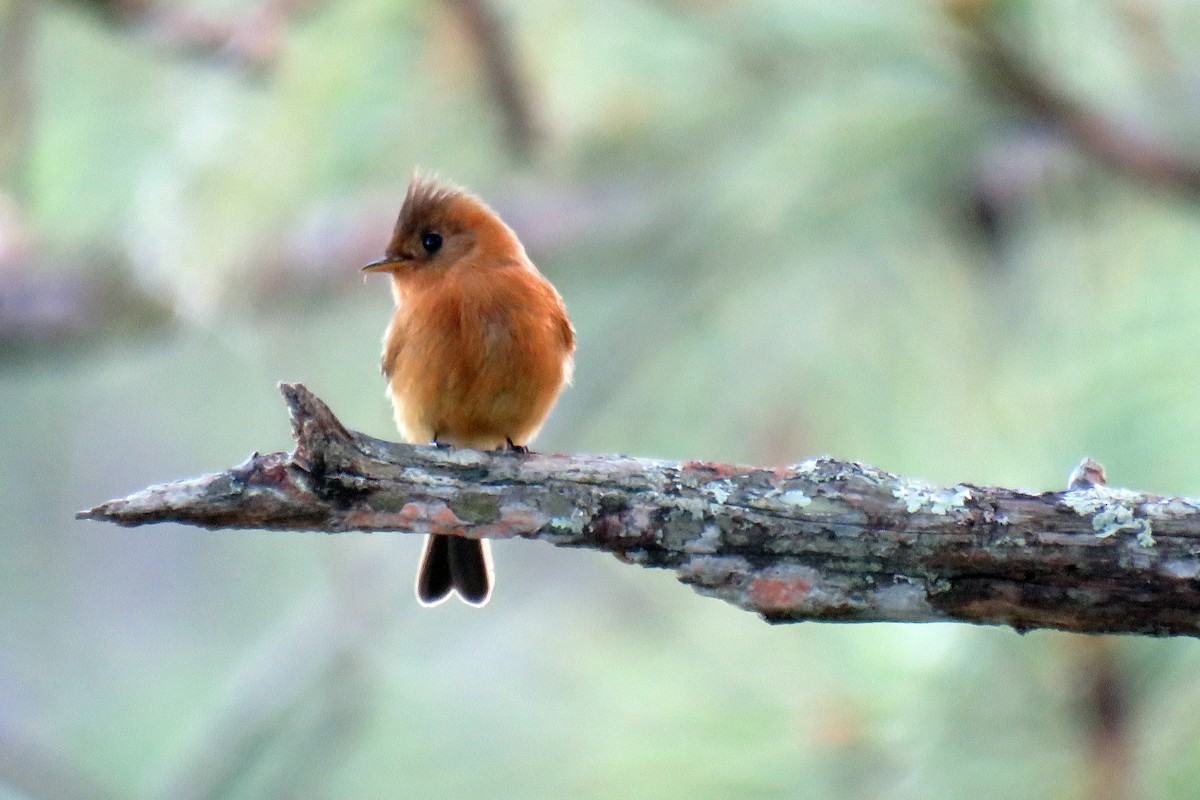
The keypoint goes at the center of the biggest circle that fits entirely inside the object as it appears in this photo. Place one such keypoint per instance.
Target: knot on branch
(314, 427)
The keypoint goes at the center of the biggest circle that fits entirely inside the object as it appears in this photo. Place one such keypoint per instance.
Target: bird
(477, 352)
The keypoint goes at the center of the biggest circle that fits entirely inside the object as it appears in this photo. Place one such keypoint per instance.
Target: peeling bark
(820, 540)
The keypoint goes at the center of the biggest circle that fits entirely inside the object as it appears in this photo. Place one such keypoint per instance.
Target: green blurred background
(782, 229)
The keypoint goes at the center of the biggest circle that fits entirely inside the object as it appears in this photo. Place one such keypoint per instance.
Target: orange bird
(476, 354)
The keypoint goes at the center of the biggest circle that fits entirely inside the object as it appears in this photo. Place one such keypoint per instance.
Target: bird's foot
(519, 449)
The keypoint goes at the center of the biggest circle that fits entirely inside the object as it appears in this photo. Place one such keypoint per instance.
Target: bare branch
(502, 73)
(253, 42)
(821, 540)
(32, 767)
(1116, 143)
(17, 32)
(43, 306)
(1107, 717)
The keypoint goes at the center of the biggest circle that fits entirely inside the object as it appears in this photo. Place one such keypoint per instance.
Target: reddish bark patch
(412, 512)
(513, 522)
(273, 471)
(442, 515)
(443, 520)
(778, 594)
(779, 474)
(705, 472)
(521, 520)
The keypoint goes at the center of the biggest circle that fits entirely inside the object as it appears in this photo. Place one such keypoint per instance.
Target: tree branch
(503, 75)
(17, 32)
(1117, 143)
(821, 540)
(254, 42)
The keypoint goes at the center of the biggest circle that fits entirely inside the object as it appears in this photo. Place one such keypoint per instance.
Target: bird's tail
(455, 564)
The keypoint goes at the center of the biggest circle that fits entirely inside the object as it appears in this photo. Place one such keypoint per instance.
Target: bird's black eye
(431, 242)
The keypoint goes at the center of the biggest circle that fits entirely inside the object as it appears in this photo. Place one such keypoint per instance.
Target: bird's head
(441, 226)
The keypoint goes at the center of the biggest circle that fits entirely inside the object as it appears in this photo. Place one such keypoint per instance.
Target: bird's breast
(476, 362)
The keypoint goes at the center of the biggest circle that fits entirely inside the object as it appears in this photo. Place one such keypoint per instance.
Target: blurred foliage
(778, 229)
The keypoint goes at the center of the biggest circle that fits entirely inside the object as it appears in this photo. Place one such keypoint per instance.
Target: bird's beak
(383, 264)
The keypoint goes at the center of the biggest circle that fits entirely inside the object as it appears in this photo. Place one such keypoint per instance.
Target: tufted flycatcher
(476, 354)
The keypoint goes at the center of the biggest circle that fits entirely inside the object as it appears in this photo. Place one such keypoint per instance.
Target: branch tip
(99, 512)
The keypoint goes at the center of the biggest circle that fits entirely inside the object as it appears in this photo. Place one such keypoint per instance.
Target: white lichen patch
(956, 497)
(573, 524)
(713, 569)
(1120, 518)
(420, 476)
(692, 505)
(826, 468)
(463, 456)
(1095, 498)
(1145, 534)
(809, 465)
(902, 600)
(938, 586)
(719, 490)
(1112, 511)
(1182, 568)
(1171, 507)
(709, 541)
(795, 497)
(918, 495)
(793, 502)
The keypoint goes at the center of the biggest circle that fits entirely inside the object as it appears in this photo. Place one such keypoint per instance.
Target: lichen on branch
(820, 540)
